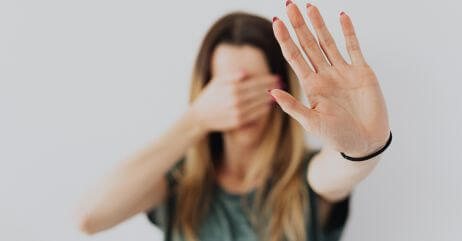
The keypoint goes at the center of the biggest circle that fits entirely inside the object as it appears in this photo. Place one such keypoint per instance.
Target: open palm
(348, 109)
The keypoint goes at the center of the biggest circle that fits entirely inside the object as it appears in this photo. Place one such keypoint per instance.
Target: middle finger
(326, 40)
(305, 37)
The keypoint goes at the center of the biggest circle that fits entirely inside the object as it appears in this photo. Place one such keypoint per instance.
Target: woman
(235, 165)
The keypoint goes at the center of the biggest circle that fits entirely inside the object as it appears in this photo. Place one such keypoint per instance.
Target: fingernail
(308, 5)
(342, 13)
(288, 2)
(274, 19)
(269, 92)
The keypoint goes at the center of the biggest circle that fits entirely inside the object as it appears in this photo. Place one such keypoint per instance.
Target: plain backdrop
(84, 84)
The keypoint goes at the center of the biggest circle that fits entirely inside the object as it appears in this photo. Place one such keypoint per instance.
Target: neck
(237, 157)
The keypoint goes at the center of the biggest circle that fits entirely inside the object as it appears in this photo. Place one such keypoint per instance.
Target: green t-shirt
(227, 220)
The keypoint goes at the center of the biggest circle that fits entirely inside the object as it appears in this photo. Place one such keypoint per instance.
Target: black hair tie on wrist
(370, 155)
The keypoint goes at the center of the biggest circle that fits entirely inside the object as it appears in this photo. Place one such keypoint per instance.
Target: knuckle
(354, 46)
(328, 42)
(311, 43)
(298, 23)
(293, 55)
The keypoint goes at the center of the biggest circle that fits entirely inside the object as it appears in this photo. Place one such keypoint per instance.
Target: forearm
(138, 183)
(334, 177)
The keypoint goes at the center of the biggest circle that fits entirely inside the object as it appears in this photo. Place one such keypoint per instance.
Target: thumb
(307, 117)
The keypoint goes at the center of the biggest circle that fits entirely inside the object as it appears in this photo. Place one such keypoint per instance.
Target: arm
(137, 183)
(333, 177)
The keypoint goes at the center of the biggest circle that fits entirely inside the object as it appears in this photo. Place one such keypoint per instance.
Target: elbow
(85, 225)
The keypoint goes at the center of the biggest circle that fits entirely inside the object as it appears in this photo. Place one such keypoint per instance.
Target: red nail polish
(308, 5)
(269, 92)
(274, 19)
(342, 13)
(288, 2)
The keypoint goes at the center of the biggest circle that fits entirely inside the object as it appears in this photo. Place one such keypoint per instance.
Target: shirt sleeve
(338, 215)
(159, 215)
(336, 221)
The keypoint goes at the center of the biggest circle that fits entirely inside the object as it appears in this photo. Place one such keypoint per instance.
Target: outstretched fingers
(351, 40)
(291, 51)
(306, 39)
(326, 40)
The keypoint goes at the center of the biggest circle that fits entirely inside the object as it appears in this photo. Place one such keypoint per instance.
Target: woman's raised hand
(348, 109)
(229, 102)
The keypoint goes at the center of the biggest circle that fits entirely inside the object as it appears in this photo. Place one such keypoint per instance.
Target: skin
(235, 102)
(347, 111)
(248, 102)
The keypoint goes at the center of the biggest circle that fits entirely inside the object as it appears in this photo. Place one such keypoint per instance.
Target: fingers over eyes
(255, 95)
(261, 100)
(291, 51)
(306, 39)
(234, 77)
(351, 40)
(326, 40)
(260, 83)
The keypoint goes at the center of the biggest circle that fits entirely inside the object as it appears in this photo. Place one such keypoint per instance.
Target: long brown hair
(279, 209)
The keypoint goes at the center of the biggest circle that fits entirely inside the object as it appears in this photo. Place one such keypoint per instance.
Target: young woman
(235, 166)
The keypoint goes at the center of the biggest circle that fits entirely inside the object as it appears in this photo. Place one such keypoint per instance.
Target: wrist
(194, 121)
(364, 153)
(375, 151)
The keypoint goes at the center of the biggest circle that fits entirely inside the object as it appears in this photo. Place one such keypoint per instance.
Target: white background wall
(83, 84)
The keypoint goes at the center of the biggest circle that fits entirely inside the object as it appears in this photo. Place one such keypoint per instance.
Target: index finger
(291, 51)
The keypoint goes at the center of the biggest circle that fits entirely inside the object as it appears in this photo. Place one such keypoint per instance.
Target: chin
(248, 134)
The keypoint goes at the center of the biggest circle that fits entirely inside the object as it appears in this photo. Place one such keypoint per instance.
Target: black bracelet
(370, 155)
